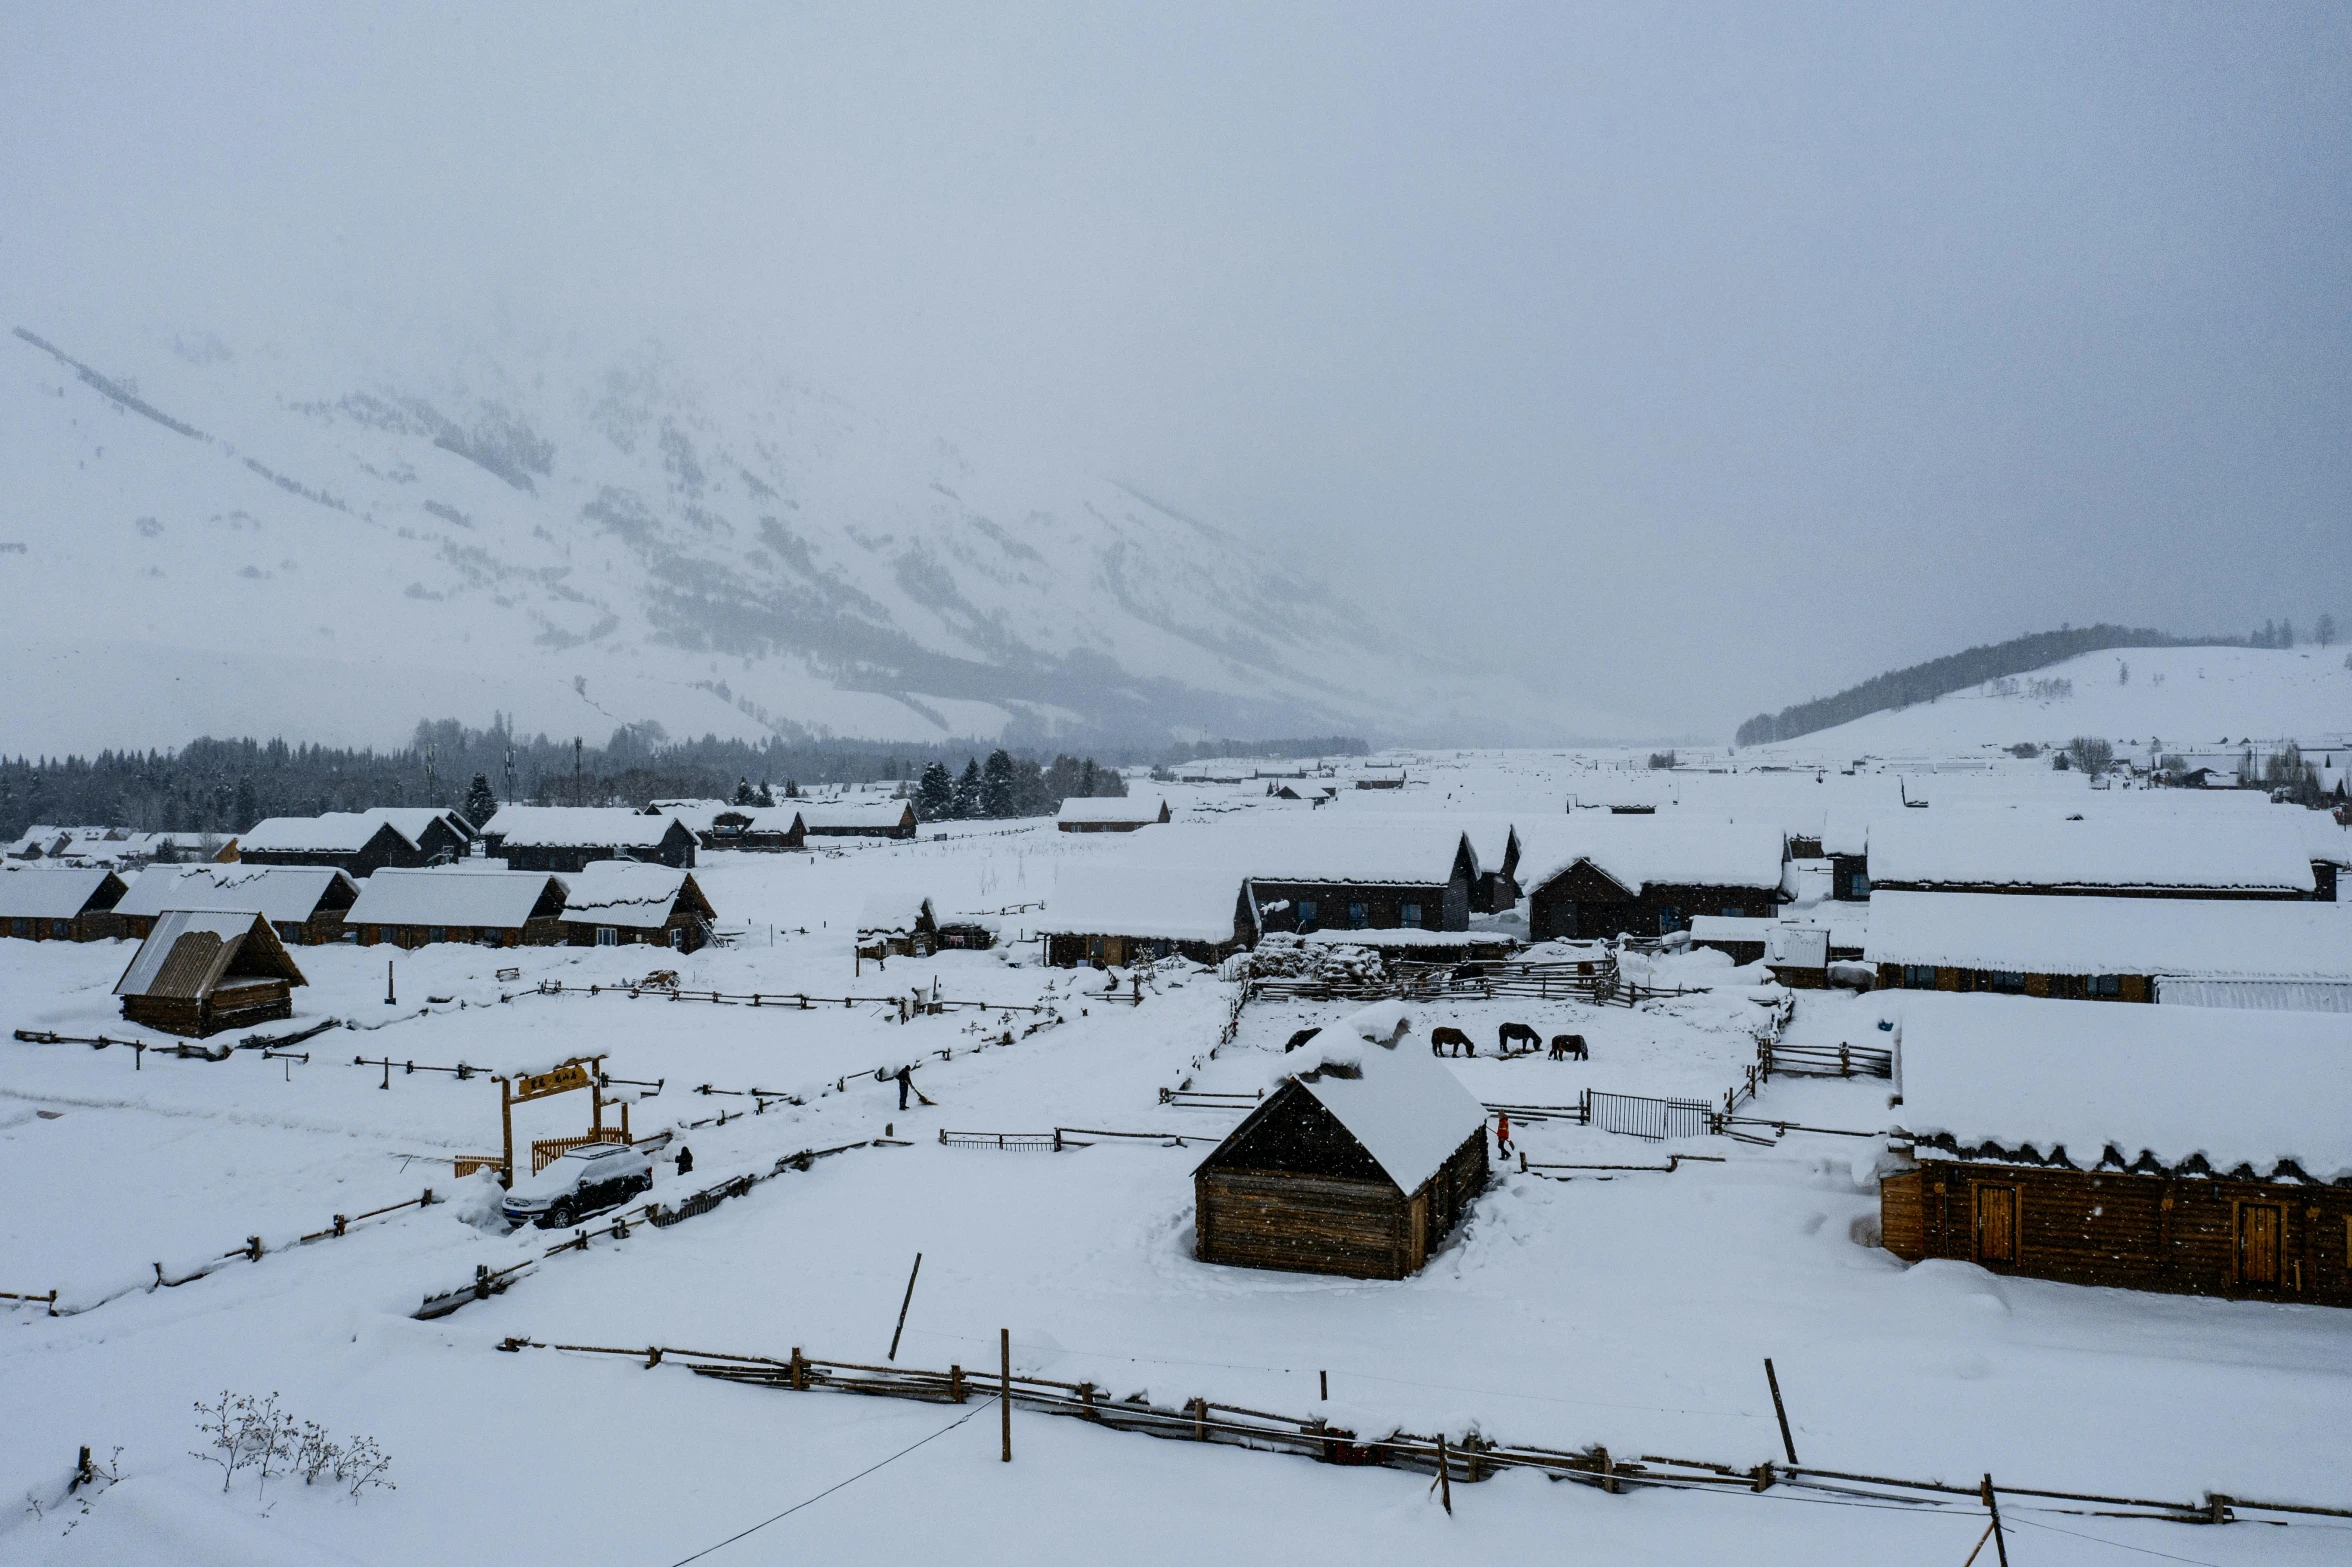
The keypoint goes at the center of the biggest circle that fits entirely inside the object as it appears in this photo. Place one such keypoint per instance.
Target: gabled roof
(1157, 901)
(577, 826)
(336, 832)
(451, 895)
(624, 892)
(1666, 849)
(2238, 1087)
(1398, 1101)
(895, 915)
(279, 893)
(1365, 849)
(2043, 847)
(414, 821)
(845, 815)
(192, 950)
(774, 818)
(1112, 809)
(2200, 938)
(50, 892)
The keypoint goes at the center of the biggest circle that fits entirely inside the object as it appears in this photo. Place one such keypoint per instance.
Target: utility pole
(579, 787)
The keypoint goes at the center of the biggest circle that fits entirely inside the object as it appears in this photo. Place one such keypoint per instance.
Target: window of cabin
(1735, 914)
(607, 936)
(677, 938)
(1919, 976)
(289, 929)
(1669, 919)
(1308, 911)
(436, 933)
(1410, 915)
(2006, 981)
(61, 928)
(1996, 1224)
(2106, 987)
(1859, 885)
(2260, 1227)
(20, 927)
(1355, 916)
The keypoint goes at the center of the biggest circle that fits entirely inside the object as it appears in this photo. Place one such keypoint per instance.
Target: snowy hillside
(2192, 700)
(207, 536)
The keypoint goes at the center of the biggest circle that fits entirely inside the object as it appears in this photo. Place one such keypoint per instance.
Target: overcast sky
(1720, 355)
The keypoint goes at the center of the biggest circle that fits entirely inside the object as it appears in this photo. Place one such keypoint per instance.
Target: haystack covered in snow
(619, 903)
(59, 903)
(1120, 913)
(1359, 1163)
(2184, 1149)
(203, 970)
(1589, 875)
(449, 903)
(305, 904)
(2204, 951)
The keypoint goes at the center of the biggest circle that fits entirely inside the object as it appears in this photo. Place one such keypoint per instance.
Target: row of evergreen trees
(1007, 786)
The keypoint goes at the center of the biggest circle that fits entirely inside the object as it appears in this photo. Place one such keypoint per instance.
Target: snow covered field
(1631, 1309)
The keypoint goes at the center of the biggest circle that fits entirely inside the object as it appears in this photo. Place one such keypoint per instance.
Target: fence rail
(1826, 1060)
(790, 1000)
(546, 1150)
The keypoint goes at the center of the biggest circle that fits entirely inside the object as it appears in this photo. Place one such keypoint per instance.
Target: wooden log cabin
(2206, 951)
(872, 818)
(563, 838)
(2050, 852)
(359, 843)
(2187, 1150)
(304, 904)
(490, 908)
(1590, 876)
(60, 903)
(204, 970)
(1360, 1164)
(1112, 916)
(621, 903)
(1389, 872)
(1110, 813)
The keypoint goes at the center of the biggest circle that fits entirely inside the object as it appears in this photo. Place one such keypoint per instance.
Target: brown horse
(1511, 1031)
(1441, 1038)
(1566, 1046)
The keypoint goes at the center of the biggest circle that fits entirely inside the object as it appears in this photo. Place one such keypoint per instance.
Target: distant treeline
(1265, 750)
(227, 785)
(1958, 672)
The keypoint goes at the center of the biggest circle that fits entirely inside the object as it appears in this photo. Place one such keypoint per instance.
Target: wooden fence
(796, 1001)
(1600, 984)
(1467, 1459)
(547, 1150)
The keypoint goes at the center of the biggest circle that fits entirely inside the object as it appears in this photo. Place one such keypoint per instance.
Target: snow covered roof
(850, 815)
(571, 826)
(1388, 850)
(774, 818)
(2174, 1082)
(278, 893)
(2208, 938)
(2325, 838)
(49, 892)
(451, 895)
(413, 822)
(1723, 927)
(1115, 809)
(622, 892)
(1164, 902)
(2042, 847)
(191, 949)
(1667, 849)
(898, 913)
(336, 832)
(1398, 1100)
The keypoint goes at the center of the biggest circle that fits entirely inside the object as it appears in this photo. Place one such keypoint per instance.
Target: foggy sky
(1713, 356)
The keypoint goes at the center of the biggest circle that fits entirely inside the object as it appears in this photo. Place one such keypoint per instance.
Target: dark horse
(1300, 1038)
(1565, 1046)
(1511, 1031)
(1441, 1038)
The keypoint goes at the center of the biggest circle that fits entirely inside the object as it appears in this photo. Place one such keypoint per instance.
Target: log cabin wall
(2273, 894)
(2185, 1235)
(1440, 905)
(1302, 1223)
(1583, 903)
(2011, 982)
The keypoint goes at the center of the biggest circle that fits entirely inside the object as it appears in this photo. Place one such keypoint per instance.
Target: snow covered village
(1064, 784)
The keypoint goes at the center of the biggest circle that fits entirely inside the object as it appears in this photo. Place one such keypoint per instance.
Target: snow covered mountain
(2194, 701)
(200, 536)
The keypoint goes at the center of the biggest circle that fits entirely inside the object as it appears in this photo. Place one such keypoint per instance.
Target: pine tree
(2325, 632)
(763, 798)
(996, 785)
(743, 794)
(2286, 635)
(480, 803)
(967, 792)
(934, 796)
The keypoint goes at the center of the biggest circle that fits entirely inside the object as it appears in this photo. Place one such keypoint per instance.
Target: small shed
(304, 904)
(620, 903)
(203, 970)
(1110, 813)
(563, 838)
(2189, 1150)
(1359, 1164)
(1114, 915)
(878, 818)
(58, 903)
(415, 908)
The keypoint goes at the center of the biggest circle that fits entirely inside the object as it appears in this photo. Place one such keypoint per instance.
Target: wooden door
(1417, 1232)
(2260, 1226)
(1996, 1225)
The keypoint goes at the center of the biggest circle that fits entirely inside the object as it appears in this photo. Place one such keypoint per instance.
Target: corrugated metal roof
(190, 949)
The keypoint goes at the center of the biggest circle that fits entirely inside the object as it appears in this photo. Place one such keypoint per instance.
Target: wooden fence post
(902, 1307)
(1780, 1411)
(1004, 1389)
(1445, 1484)
(1993, 1506)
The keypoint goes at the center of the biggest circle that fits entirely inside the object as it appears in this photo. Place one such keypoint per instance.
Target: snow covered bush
(244, 1432)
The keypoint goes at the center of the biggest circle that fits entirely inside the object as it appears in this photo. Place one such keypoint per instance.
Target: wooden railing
(547, 1150)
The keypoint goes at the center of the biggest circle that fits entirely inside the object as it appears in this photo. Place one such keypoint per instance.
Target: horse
(1567, 1046)
(1511, 1031)
(1300, 1038)
(1440, 1038)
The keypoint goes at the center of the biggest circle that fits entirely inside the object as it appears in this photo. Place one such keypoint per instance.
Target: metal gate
(1656, 1119)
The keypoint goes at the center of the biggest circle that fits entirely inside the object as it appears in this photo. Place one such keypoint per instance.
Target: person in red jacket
(1503, 1134)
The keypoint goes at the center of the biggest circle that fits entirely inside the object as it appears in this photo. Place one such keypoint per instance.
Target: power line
(829, 1490)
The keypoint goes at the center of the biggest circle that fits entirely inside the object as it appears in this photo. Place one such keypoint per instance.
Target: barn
(2050, 853)
(1361, 873)
(2204, 951)
(304, 904)
(1589, 876)
(204, 970)
(619, 903)
(1111, 916)
(491, 908)
(1110, 813)
(58, 903)
(2189, 1150)
(563, 838)
(1359, 1164)
(358, 843)
(877, 818)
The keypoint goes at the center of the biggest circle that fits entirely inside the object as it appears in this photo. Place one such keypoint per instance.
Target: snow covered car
(586, 1180)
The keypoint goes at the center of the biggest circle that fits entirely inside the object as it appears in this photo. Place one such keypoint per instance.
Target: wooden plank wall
(1301, 1223)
